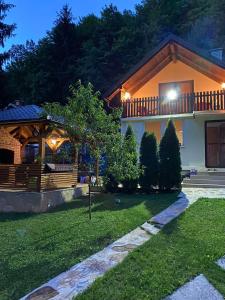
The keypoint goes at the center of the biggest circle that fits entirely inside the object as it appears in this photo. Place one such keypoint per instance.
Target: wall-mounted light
(223, 86)
(126, 96)
(172, 95)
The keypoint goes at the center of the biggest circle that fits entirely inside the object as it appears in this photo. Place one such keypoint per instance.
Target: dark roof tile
(21, 113)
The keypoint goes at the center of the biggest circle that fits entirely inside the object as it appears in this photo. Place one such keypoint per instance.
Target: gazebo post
(42, 149)
(42, 141)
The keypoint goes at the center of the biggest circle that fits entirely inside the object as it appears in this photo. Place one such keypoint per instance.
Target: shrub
(149, 162)
(170, 161)
(130, 167)
(110, 184)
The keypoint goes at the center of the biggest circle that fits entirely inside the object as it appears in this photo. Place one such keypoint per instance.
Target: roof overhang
(171, 49)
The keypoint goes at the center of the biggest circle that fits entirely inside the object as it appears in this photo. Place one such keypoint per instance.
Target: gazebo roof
(22, 114)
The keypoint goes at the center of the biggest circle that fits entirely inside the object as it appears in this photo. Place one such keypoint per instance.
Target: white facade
(193, 154)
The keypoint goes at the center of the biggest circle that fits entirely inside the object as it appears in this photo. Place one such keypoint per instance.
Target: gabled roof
(21, 114)
(163, 54)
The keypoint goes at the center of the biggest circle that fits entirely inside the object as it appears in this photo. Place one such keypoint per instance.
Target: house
(26, 136)
(180, 82)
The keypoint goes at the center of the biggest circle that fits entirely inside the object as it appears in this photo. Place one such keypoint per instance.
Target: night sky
(35, 17)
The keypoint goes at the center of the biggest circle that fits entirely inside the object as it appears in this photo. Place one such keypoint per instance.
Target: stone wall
(34, 202)
(10, 143)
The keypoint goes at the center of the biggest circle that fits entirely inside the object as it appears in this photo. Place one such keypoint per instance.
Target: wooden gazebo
(25, 136)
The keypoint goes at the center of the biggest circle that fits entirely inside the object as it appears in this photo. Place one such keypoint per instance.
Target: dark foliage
(170, 161)
(131, 172)
(100, 49)
(111, 184)
(149, 162)
(6, 31)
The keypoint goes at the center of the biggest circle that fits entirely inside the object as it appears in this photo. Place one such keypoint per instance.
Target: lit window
(179, 130)
(154, 127)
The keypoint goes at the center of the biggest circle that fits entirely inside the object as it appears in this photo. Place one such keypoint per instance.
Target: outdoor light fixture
(172, 95)
(53, 141)
(127, 96)
(223, 86)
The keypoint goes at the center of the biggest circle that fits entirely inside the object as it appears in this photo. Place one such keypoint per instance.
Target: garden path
(76, 280)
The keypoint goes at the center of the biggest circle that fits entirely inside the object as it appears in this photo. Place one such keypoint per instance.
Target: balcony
(187, 103)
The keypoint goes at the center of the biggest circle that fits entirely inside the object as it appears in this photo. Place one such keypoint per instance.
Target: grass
(185, 248)
(35, 248)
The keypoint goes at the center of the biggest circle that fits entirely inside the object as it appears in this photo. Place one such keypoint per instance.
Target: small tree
(170, 161)
(130, 168)
(85, 121)
(149, 162)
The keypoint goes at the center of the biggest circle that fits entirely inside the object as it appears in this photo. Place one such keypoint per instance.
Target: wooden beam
(42, 148)
(173, 53)
(150, 75)
(200, 69)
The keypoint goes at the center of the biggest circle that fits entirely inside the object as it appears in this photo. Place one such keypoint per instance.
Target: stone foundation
(19, 201)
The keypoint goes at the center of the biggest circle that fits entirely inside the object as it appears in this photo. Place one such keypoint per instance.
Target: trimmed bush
(110, 184)
(149, 162)
(170, 161)
(130, 162)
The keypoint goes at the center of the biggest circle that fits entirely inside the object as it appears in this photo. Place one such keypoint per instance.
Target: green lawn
(185, 248)
(35, 248)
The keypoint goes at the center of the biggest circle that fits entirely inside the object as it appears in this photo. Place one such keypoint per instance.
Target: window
(179, 130)
(154, 127)
(181, 87)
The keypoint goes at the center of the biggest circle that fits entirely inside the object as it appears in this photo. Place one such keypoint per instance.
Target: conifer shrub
(130, 166)
(149, 162)
(170, 161)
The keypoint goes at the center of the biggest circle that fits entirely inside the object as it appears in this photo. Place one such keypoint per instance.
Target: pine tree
(170, 161)
(149, 162)
(130, 162)
(6, 31)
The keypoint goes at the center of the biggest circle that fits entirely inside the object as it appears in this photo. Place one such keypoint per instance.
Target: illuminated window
(179, 130)
(154, 127)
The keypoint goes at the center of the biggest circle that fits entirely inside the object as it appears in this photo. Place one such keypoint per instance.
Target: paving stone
(197, 289)
(171, 212)
(82, 275)
(151, 229)
(43, 293)
(221, 262)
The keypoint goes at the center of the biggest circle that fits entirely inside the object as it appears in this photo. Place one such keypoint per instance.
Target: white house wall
(193, 149)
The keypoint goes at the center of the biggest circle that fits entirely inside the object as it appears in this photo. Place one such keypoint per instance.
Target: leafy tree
(170, 161)
(85, 120)
(149, 162)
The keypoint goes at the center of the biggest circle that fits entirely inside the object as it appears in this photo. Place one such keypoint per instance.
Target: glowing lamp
(223, 86)
(53, 142)
(172, 95)
(126, 96)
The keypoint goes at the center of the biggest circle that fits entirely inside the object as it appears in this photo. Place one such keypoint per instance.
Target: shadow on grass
(103, 202)
(155, 203)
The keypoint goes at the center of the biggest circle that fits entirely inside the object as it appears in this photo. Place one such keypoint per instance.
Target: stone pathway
(197, 289)
(194, 194)
(76, 280)
(221, 262)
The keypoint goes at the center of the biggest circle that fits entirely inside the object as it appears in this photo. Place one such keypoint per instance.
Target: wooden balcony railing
(186, 103)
